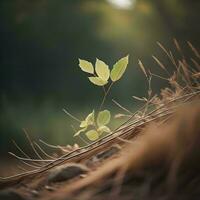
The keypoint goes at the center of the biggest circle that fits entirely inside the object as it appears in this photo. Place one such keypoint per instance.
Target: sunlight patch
(122, 4)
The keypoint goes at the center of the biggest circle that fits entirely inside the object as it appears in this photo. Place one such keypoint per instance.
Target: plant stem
(105, 95)
(104, 90)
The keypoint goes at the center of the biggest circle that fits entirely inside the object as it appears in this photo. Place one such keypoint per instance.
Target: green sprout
(94, 125)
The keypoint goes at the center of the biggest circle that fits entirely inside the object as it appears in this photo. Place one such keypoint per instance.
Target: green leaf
(119, 69)
(98, 81)
(83, 124)
(103, 129)
(102, 70)
(103, 118)
(86, 66)
(90, 118)
(80, 131)
(92, 135)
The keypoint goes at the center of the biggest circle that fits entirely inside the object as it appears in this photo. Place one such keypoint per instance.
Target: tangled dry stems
(184, 88)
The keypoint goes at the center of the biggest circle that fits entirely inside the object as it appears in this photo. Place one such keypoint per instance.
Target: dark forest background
(41, 41)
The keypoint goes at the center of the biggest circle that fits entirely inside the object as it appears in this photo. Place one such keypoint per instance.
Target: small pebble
(109, 152)
(103, 155)
(35, 193)
(83, 175)
(49, 188)
(66, 172)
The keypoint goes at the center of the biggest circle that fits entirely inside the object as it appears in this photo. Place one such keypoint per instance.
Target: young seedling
(95, 124)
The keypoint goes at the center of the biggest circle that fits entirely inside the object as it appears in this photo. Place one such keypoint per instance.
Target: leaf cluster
(95, 128)
(101, 72)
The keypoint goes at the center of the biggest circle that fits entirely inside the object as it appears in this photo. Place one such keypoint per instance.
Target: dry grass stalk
(184, 88)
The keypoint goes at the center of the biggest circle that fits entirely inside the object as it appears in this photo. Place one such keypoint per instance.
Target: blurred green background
(41, 42)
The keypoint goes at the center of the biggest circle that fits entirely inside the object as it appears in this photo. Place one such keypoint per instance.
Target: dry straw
(183, 88)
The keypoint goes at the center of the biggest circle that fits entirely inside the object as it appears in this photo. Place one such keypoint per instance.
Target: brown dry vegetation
(160, 149)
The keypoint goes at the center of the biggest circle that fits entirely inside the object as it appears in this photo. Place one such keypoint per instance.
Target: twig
(122, 107)
(17, 146)
(37, 154)
(40, 148)
(70, 115)
(22, 160)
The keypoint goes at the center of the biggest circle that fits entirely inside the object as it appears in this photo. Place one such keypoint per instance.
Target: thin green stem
(104, 90)
(105, 95)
